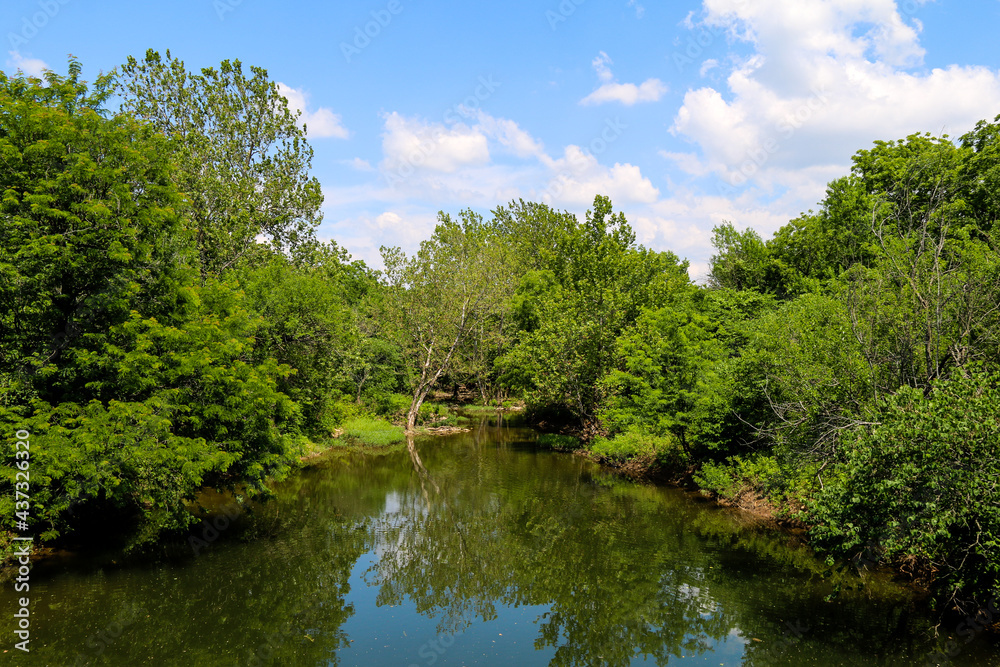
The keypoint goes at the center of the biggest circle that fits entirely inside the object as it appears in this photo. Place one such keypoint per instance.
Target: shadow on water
(475, 548)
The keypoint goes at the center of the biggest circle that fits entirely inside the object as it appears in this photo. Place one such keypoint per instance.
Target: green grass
(479, 409)
(373, 431)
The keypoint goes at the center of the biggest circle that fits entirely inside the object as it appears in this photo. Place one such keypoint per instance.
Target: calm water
(473, 549)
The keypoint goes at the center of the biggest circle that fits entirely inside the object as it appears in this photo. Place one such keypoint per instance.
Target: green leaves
(584, 292)
(666, 379)
(922, 483)
(243, 161)
(436, 300)
(138, 379)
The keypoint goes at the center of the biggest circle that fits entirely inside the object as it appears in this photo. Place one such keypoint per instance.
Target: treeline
(168, 321)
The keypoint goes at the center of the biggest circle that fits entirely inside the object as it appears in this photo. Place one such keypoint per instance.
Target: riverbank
(647, 465)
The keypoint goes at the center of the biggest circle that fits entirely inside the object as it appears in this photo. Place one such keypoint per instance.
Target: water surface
(475, 549)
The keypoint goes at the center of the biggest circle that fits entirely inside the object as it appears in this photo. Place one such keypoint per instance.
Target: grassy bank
(373, 431)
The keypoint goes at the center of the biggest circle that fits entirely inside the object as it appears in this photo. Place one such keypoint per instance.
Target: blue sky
(684, 113)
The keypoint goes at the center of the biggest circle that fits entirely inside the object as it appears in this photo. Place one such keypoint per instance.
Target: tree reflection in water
(458, 560)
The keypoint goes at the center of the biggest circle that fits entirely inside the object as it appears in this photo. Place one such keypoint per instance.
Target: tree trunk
(411, 417)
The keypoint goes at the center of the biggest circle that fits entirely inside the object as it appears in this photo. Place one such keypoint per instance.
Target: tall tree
(437, 298)
(244, 160)
(593, 284)
(133, 377)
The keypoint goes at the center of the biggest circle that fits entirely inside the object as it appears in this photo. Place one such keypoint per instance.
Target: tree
(593, 283)
(243, 159)
(981, 173)
(135, 379)
(921, 485)
(821, 246)
(666, 380)
(437, 298)
(926, 303)
(309, 304)
(91, 226)
(742, 259)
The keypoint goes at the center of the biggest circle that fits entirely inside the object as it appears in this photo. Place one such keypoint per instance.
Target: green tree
(920, 486)
(593, 283)
(803, 362)
(243, 159)
(666, 381)
(820, 246)
(135, 379)
(925, 304)
(437, 298)
(309, 304)
(742, 259)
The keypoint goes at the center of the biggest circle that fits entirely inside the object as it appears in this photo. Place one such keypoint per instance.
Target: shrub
(921, 485)
(662, 450)
(390, 406)
(760, 473)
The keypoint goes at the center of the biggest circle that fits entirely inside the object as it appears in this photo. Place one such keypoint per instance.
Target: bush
(339, 412)
(373, 431)
(760, 474)
(661, 450)
(921, 486)
(390, 406)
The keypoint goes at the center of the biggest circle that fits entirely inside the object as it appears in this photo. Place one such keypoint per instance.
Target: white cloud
(578, 176)
(359, 165)
(410, 144)
(822, 80)
(826, 79)
(362, 234)
(509, 135)
(321, 123)
(600, 65)
(640, 11)
(30, 66)
(495, 160)
(650, 90)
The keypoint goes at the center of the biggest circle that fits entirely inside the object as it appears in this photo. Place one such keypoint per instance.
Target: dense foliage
(168, 321)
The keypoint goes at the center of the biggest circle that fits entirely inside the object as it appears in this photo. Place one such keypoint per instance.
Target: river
(474, 549)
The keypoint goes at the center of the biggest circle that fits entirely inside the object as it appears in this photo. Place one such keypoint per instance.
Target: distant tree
(741, 261)
(437, 298)
(594, 284)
